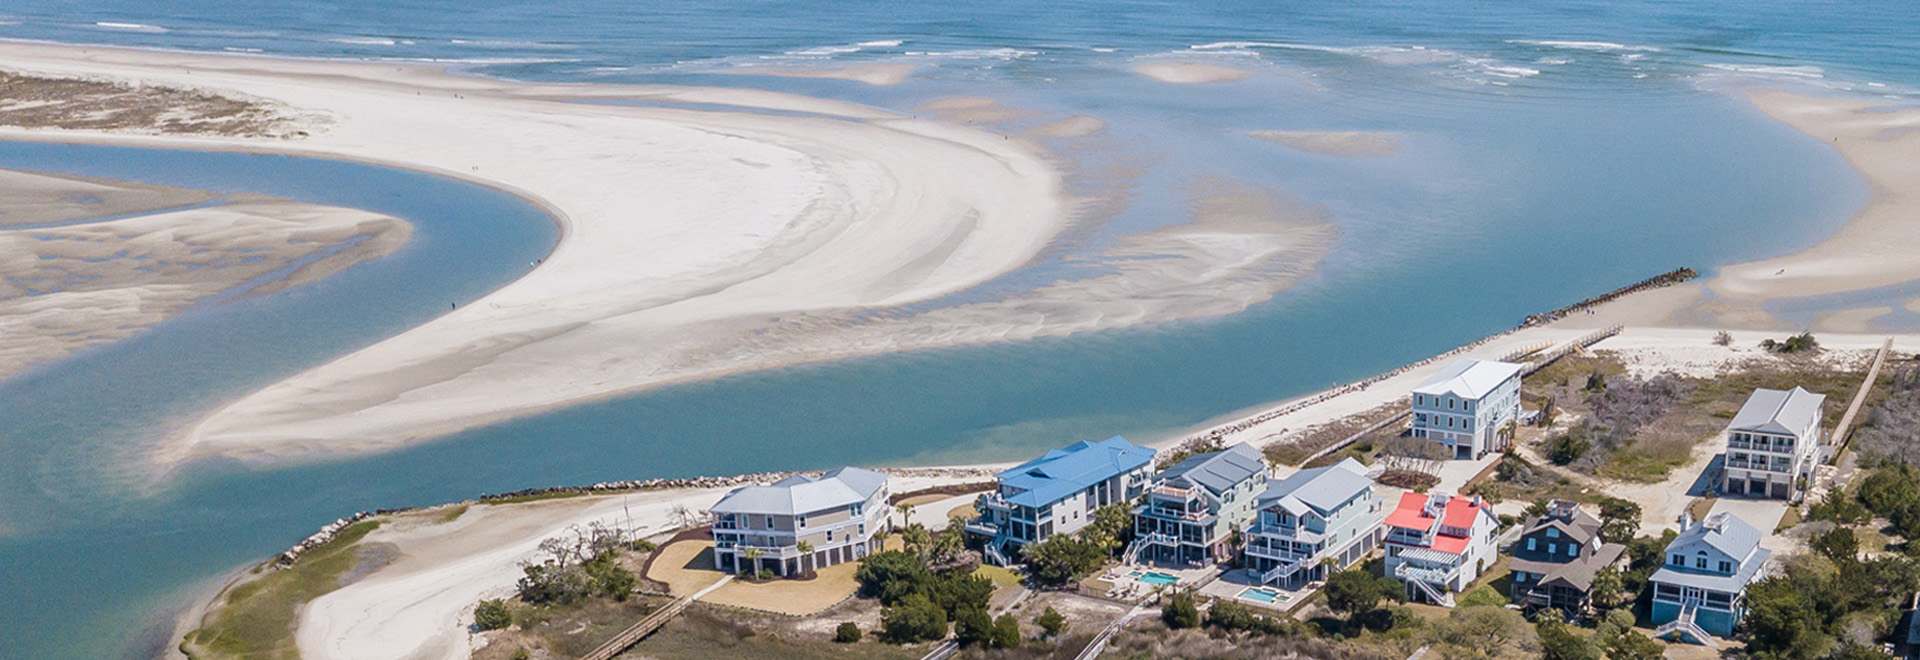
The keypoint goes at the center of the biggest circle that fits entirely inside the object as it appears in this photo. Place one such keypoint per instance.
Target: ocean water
(1551, 151)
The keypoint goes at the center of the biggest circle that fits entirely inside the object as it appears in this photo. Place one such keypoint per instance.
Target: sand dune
(1877, 247)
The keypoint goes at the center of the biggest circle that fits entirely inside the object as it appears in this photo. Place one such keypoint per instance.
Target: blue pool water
(1157, 579)
(1552, 151)
(1261, 595)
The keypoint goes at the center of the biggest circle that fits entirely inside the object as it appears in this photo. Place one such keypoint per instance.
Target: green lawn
(255, 620)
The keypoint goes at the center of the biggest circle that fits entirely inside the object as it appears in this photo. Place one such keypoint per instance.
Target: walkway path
(632, 635)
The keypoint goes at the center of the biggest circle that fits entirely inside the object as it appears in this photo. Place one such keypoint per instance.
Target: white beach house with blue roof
(1773, 444)
(839, 515)
(1315, 515)
(1701, 588)
(1195, 506)
(1466, 407)
(1058, 493)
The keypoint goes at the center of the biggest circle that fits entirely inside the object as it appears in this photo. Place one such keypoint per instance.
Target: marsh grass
(255, 619)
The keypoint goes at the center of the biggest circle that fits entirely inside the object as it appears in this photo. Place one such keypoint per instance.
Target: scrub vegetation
(255, 619)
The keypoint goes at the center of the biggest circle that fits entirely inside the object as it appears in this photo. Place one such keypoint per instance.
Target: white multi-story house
(838, 515)
(1466, 407)
(1701, 588)
(1058, 493)
(1195, 506)
(1438, 544)
(1773, 444)
(1314, 522)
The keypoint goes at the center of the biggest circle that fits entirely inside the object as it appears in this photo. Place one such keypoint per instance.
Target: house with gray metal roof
(1057, 493)
(1310, 517)
(1558, 554)
(1700, 591)
(1195, 505)
(1467, 407)
(1774, 444)
(838, 516)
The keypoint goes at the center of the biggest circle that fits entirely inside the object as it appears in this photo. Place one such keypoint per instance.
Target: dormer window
(1700, 562)
(1553, 532)
(1726, 567)
(1679, 560)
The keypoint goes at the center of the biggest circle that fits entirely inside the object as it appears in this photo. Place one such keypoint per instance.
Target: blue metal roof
(1071, 469)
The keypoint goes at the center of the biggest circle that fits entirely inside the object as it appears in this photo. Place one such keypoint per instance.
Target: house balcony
(768, 552)
(722, 525)
(1287, 533)
(1278, 554)
(1201, 517)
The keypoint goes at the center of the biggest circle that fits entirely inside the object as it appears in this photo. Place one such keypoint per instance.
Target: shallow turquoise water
(1515, 192)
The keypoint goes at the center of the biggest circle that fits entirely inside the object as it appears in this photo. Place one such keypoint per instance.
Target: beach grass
(702, 633)
(255, 619)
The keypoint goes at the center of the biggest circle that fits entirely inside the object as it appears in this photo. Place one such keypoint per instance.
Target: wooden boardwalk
(632, 635)
(1839, 437)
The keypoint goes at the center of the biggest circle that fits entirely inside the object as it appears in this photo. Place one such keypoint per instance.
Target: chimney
(1686, 520)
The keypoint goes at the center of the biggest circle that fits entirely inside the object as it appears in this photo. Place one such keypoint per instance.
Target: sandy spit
(1874, 249)
(677, 223)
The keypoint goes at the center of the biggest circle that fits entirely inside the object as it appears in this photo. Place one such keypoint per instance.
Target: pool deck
(1233, 582)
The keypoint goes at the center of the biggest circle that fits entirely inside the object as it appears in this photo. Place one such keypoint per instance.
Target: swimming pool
(1263, 595)
(1156, 579)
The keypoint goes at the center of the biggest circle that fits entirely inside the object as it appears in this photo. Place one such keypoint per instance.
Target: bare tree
(1412, 454)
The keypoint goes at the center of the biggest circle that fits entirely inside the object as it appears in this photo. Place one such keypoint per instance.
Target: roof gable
(1323, 488)
(1220, 471)
(1062, 472)
(1777, 411)
(1468, 378)
(1723, 533)
(799, 494)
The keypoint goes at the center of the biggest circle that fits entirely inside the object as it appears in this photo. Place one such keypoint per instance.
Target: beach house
(801, 523)
(1057, 494)
(1194, 506)
(1558, 555)
(1467, 406)
(1773, 444)
(1438, 544)
(1700, 590)
(1313, 522)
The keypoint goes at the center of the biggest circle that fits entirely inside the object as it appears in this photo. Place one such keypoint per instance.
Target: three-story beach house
(1057, 494)
(1557, 557)
(1773, 444)
(801, 523)
(1310, 517)
(1701, 588)
(1438, 544)
(1467, 406)
(1194, 506)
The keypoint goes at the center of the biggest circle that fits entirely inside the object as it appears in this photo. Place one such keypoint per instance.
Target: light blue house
(1466, 407)
(1058, 493)
(1701, 589)
(1314, 515)
(1195, 505)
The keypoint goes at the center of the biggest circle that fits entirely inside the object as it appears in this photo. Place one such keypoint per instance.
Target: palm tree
(753, 555)
(906, 513)
(806, 552)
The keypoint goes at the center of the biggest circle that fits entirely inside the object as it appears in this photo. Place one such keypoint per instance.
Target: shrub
(522, 654)
(846, 633)
(1409, 479)
(914, 619)
(1180, 612)
(1353, 591)
(1006, 632)
(1051, 621)
(1568, 447)
(642, 545)
(1721, 338)
(492, 614)
(972, 627)
(1230, 615)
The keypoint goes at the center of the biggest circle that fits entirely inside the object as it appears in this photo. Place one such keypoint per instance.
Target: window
(1700, 562)
(829, 536)
(1449, 403)
(800, 520)
(1553, 532)
(1726, 567)
(856, 509)
(1530, 544)
(1679, 560)
(1553, 548)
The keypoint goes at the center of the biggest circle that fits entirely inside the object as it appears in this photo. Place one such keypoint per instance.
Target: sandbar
(1351, 144)
(1875, 248)
(1188, 73)
(878, 75)
(684, 230)
(88, 261)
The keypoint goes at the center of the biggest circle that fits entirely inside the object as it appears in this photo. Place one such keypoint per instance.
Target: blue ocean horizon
(1549, 152)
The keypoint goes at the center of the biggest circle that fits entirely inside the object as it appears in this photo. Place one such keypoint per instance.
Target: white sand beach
(684, 230)
(1877, 247)
(1191, 73)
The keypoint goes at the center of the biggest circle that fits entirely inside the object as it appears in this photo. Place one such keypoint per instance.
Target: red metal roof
(1454, 544)
(1461, 513)
(1409, 513)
